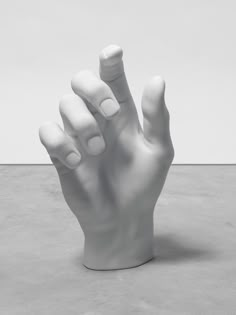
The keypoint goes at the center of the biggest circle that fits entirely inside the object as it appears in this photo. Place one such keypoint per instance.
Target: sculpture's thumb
(155, 113)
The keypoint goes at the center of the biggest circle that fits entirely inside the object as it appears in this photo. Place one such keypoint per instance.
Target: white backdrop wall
(192, 44)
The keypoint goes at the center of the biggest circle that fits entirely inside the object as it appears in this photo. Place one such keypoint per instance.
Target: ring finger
(80, 124)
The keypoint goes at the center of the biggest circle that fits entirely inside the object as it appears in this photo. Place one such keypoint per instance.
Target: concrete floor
(41, 243)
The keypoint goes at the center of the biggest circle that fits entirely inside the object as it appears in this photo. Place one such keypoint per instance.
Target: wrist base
(128, 245)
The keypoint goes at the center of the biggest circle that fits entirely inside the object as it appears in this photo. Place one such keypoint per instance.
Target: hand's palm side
(119, 177)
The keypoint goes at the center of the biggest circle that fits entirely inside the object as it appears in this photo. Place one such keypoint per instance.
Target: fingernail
(109, 108)
(73, 159)
(96, 145)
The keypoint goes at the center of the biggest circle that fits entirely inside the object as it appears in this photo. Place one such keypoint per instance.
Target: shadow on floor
(168, 248)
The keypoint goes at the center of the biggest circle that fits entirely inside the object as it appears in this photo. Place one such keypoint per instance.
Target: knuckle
(171, 153)
(167, 153)
(84, 124)
(86, 84)
(166, 115)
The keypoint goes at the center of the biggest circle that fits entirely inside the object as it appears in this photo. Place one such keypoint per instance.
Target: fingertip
(155, 89)
(74, 82)
(43, 130)
(66, 98)
(111, 55)
(65, 104)
(51, 135)
(78, 78)
(157, 81)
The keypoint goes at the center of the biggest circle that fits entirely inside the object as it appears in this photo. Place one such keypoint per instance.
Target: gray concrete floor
(41, 243)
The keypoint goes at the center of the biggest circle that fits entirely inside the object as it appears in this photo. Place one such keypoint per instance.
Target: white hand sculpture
(111, 169)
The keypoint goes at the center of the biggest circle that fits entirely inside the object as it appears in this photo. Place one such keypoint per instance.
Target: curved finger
(79, 122)
(58, 145)
(86, 85)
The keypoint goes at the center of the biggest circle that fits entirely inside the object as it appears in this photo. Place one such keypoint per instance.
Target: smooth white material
(112, 192)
